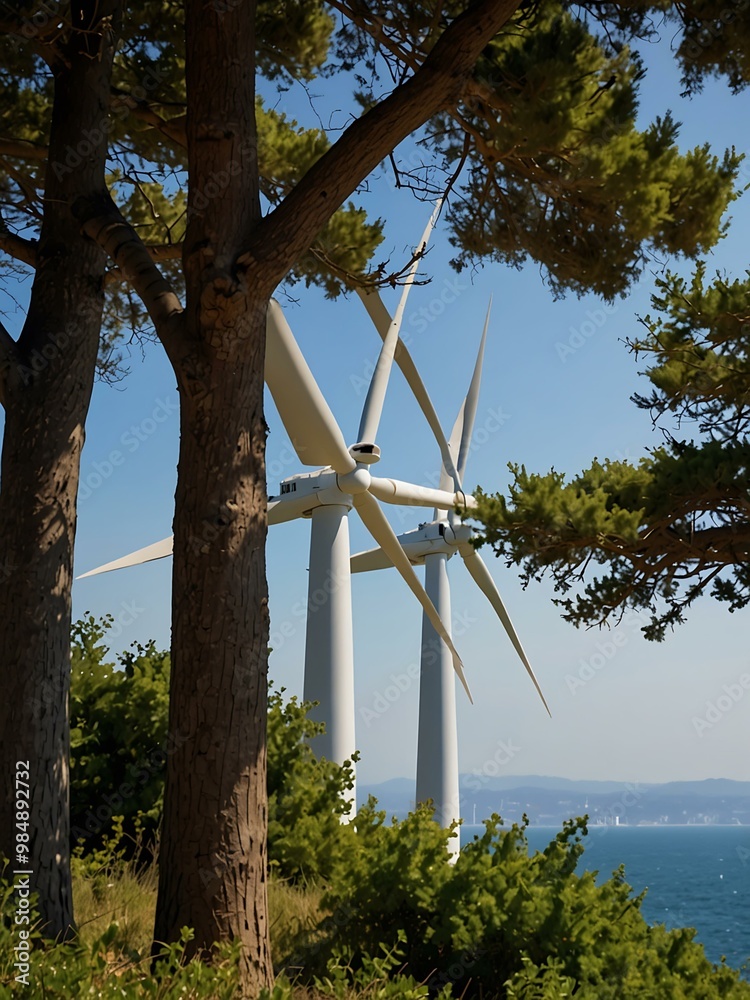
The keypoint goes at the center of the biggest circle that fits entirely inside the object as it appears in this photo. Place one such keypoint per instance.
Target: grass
(121, 893)
(124, 894)
(118, 893)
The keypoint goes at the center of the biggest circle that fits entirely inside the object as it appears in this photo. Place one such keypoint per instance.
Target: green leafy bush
(502, 923)
(120, 742)
(73, 969)
(307, 797)
(119, 738)
(371, 909)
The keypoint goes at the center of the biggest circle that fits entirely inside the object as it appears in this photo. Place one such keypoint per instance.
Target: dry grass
(294, 911)
(129, 898)
(125, 896)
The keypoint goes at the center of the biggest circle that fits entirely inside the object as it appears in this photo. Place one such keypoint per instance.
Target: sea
(695, 876)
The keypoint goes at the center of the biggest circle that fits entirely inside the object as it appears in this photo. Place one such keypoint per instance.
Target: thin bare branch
(438, 84)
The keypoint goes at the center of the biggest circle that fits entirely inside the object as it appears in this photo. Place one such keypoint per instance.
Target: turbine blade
(382, 321)
(472, 399)
(308, 420)
(486, 584)
(277, 513)
(378, 526)
(364, 562)
(289, 507)
(454, 444)
(373, 408)
(159, 550)
(408, 494)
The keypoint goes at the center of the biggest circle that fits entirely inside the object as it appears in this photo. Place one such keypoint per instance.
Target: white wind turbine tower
(326, 495)
(432, 545)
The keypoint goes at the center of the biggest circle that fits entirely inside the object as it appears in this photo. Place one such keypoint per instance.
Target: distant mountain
(549, 801)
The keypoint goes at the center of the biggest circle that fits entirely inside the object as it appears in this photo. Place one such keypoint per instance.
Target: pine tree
(525, 116)
(676, 524)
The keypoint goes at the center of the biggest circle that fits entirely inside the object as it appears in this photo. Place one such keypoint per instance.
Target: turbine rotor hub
(355, 482)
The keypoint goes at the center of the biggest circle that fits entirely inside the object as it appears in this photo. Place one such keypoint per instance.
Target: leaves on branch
(677, 523)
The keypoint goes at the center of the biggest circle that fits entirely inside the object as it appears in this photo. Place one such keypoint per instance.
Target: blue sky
(622, 708)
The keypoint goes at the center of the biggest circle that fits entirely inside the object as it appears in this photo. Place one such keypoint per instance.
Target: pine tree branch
(102, 222)
(287, 232)
(17, 247)
(172, 129)
(157, 252)
(22, 149)
(725, 545)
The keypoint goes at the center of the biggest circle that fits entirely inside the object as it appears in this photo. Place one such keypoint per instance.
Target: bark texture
(47, 377)
(212, 872)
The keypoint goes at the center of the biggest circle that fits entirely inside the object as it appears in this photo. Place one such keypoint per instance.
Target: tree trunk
(48, 378)
(212, 867)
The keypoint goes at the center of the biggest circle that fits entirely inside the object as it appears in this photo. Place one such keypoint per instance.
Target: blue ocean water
(696, 876)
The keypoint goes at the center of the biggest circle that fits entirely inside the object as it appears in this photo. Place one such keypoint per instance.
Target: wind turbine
(342, 480)
(432, 545)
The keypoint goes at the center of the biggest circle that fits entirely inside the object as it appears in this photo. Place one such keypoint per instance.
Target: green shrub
(119, 746)
(366, 909)
(119, 741)
(502, 923)
(306, 796)
(62, 971)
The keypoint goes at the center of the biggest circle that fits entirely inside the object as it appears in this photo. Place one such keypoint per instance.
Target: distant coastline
(549, 801)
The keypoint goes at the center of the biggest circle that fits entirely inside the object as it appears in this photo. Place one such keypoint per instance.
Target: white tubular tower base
(329, 644)
(437, 747)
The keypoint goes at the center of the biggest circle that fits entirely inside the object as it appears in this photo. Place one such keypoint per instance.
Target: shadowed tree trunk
(214, 868)
(46, 378)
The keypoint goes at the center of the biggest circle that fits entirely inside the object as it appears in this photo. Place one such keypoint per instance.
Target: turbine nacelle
(428, 539)
(451, 535)
(434, 537)
(305, 491)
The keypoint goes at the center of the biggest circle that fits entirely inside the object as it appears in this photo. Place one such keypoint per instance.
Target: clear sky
(621, 711)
